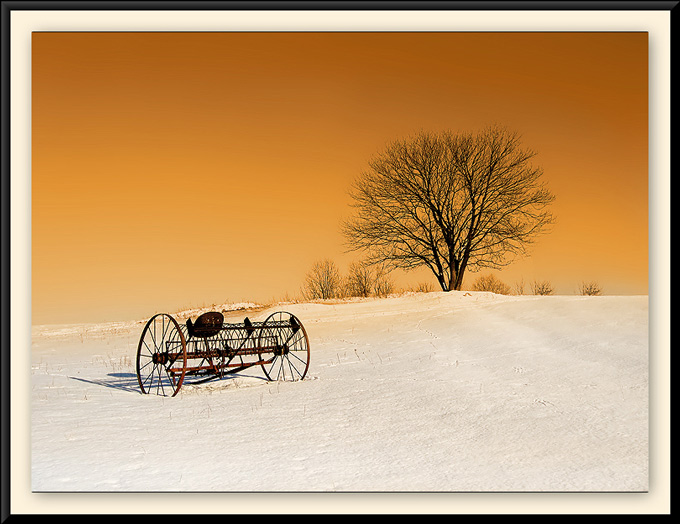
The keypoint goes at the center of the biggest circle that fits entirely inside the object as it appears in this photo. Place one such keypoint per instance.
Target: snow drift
(457, 391)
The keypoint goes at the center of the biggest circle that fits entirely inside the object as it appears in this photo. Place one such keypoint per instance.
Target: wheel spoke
(303, 362)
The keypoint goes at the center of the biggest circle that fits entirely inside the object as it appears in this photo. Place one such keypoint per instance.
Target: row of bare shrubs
(324, 281)
(538, 287)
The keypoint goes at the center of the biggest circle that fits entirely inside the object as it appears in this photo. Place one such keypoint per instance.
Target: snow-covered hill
(456, 391)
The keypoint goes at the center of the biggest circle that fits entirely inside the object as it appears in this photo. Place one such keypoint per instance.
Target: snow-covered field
(451, 392)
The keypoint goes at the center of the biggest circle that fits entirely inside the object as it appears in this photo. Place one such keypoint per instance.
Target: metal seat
(206, 325)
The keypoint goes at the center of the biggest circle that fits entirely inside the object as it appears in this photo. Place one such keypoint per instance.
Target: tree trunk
(459, 275)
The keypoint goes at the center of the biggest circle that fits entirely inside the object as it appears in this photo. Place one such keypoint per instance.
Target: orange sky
(174, 170)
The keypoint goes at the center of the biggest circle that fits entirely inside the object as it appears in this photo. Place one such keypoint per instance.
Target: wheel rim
(161, 356)
(290, 358)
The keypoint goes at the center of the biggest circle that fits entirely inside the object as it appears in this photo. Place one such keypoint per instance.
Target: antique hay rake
(170, 354)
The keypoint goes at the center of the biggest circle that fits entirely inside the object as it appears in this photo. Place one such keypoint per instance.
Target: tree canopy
(451, 202)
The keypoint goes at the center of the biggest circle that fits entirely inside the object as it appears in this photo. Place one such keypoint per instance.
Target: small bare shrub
(365, 280)
(322, 281)
(519, 287)
(359, 282)
(422, 287)
(492, 284)
(590, 289)
(287, 298)
(382, 284)
(542, 288)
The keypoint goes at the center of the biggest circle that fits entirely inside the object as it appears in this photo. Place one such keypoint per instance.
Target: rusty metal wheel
(161, 356)
(288, 345)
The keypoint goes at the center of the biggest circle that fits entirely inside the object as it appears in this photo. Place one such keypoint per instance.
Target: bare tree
(450, 202)
(322, 281)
